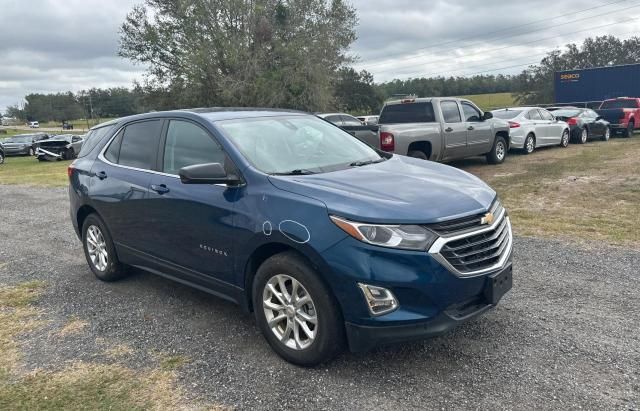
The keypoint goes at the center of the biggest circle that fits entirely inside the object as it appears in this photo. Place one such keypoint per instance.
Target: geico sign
(573, 76)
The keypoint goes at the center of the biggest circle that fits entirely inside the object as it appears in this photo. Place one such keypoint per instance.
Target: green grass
(492, 101)
(80, 124)
(31, 172)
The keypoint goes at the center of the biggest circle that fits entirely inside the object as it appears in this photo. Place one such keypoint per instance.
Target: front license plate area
(498, 284)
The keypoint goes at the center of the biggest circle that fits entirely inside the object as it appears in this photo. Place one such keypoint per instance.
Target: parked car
(584, 124)
(368, 120)
(1, 153)
(34, 124)
(441, 129)
(22, 144)
(622, 113)
(352, 125)
(532, 127)
(330, 245)
(60, 147)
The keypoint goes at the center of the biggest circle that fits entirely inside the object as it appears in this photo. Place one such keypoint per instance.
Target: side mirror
(208, 173)
(487, 115)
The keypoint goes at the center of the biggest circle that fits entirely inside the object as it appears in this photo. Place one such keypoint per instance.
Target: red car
(623, 113)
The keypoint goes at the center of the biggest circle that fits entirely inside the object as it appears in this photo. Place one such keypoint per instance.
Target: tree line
(280, 53)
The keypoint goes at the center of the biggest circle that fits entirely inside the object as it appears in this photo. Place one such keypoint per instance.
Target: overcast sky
(51, 46)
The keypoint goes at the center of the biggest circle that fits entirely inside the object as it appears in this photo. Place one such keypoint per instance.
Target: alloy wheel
(290, 312)
(500, 150)
(97, 248)
(565, 139)
(584, 135)
(31, 152)
(607, 134)
(529, 145)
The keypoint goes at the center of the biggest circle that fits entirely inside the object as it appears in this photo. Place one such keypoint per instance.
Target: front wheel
(607, 134)
(584, 136)
(498, 152)
(564, 140)
(296, 312)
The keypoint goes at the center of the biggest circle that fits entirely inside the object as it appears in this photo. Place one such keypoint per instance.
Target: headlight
(408, 237)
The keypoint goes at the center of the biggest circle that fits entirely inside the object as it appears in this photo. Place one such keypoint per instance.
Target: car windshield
(296, 145)
(506, 114)
(626, 103)
(19, 139)
(566, 113)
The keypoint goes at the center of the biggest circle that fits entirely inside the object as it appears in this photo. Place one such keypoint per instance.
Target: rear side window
(186, 145)
(92, 139)
(137, 145)
(450, 112)
(407, 113)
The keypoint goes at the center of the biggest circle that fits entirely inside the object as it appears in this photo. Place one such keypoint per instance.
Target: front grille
(479, 251)
(465, 223)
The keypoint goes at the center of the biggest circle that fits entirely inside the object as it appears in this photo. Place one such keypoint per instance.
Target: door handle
(160, 189)
(101, 175)
(448, 129)
(470, 128)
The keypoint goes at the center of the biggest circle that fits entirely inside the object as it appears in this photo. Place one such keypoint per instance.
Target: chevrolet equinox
(327, 240)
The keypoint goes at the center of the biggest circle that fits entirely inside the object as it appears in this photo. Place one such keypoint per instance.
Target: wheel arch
(423, 145)
(505, 135)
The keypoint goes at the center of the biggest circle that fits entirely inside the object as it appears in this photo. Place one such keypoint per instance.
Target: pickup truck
(441, 129)
(623, 113)
(352, 125)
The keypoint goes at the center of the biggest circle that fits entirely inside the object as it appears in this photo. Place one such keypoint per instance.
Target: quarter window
(470, 113)
(545, 115)
(450, 112)
(188, 144)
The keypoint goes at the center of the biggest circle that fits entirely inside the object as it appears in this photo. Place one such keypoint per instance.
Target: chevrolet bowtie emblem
(487, 219)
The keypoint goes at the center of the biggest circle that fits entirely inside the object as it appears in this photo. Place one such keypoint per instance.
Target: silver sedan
(531, 127)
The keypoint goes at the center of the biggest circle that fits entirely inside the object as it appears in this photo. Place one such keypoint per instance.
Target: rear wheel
(584, 136)
(607, 134)
(418, 154)
(498, 152)
(31, 152)
(564, 140)
(68, 154)
(529, 143)
(100, 251)
(629, 131)
(296, 312)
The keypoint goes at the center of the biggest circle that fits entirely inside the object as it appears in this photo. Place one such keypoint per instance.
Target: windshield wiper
(366, 163)
(296, 172)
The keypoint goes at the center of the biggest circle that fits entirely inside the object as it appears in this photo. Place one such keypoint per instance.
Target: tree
(274, 53)
(356, 93)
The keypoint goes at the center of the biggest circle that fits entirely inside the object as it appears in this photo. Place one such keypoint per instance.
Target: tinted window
(407, 113)
(137, 145)
(113, 152)
(470, 113)
(351, 121)
(625, 103)
(450, 112)
(334, 119)
(545, 115)
(93, 138)
(506, 114)
(186, 145)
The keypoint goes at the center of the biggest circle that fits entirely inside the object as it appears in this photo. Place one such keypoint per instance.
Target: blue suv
(327, 240)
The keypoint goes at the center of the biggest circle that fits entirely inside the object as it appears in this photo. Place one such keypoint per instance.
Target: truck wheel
(584, 136)
(498, 152)
(418, 154)
(607, 134)
(296, 311)
(629, 131)
(529, 144)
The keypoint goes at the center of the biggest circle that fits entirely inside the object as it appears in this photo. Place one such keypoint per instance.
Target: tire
(31, 152)
(564, 140)
(498, 152)
(1, 157)
(628, 132)
(418, 154)
(529, 144)
(583, 137)
(607, 134)
(109, 269)
(68, 154)
(327, 338)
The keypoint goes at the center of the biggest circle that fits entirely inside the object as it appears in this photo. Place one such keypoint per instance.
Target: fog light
(379, 300)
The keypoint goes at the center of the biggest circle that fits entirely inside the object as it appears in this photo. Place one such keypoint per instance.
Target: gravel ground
(566, 336)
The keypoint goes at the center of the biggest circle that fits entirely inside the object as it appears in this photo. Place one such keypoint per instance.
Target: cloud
(55, 46)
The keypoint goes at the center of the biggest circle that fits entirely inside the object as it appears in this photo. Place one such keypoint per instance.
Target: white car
(368, 120)
(34, 124)
(532, 127)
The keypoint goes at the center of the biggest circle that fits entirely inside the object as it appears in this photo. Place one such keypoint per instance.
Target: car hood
(400, 190)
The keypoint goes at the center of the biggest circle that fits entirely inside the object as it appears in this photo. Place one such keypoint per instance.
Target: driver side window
(187, 144)
(470, 113)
